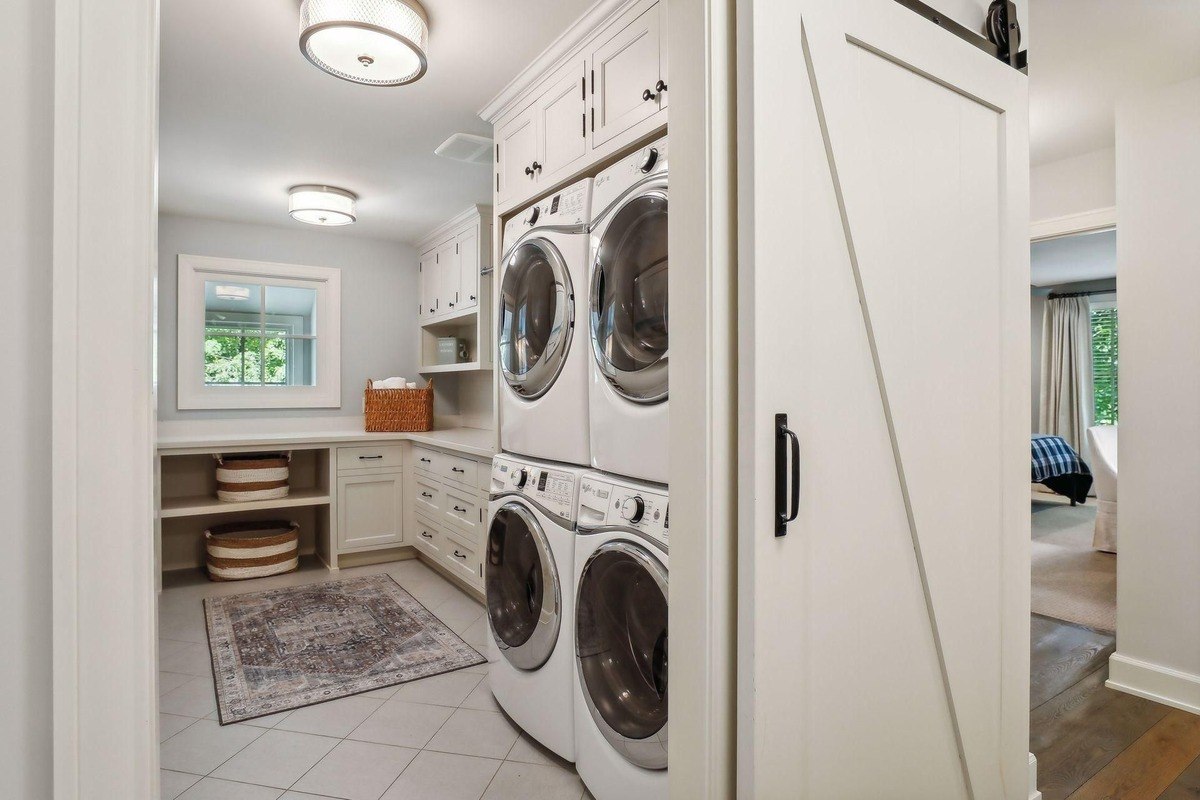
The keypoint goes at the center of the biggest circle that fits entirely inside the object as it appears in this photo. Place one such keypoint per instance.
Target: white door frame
(701, 50)
(105, 259)
(105, 256)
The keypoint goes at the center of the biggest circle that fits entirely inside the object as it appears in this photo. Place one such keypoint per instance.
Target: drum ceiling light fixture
(372, 42)
(321, 205)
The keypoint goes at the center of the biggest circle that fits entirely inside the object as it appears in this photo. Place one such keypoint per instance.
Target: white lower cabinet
(449, 509)
(370, 510)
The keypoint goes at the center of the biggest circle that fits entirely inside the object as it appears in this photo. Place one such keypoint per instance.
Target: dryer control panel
(553, 489)
(569, 208)
(605, 501)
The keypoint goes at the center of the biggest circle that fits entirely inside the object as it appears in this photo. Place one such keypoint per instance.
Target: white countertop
(180, 437)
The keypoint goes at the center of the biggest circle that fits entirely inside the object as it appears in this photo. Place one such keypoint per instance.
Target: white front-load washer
(627, 298)
(542, 335)
(621, 560)
(527, 568)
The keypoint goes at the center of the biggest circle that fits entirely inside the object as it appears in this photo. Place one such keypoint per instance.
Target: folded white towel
(389, 383)
(412, 385)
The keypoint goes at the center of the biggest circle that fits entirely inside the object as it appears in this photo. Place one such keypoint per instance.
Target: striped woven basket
(241, 550)
(241, 478)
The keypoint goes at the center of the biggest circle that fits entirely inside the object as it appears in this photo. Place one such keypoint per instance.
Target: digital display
(554, 204)
(542, 478)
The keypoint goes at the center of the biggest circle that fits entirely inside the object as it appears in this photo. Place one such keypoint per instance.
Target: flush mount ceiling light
(372, 42)
(321, 205)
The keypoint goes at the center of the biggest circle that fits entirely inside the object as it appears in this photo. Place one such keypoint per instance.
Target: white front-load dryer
(542, 334)
(527, 567)
(627, 296)
(621, 638)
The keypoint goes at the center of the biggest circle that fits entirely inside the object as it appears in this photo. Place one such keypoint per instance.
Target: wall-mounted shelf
(467, 366)
(198, 505)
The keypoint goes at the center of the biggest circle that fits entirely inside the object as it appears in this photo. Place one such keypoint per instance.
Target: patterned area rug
(286, 648)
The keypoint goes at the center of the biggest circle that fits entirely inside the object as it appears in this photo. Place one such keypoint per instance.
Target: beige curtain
(1066, 401)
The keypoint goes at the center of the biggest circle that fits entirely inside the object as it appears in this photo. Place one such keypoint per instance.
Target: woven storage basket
(241, 478)
(398, 409)
(240, 550)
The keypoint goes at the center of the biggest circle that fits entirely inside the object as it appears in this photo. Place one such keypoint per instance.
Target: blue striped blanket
(1053, 457)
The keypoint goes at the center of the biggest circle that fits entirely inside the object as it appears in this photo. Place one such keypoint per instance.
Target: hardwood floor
(1092, 742)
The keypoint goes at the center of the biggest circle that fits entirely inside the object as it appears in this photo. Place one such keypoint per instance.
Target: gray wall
(26, 162)
(379, 297)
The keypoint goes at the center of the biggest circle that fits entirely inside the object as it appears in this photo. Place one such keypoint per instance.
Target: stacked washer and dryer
(575, 567)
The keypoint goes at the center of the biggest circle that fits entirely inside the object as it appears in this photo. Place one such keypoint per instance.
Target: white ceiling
(1070, 259)
(244, 115)
(1085, 54)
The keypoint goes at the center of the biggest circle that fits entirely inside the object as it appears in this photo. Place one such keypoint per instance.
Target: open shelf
(467, 366)
(196, 505)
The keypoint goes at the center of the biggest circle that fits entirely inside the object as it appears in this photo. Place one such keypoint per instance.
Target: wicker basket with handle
(240, 550)
(392, 410)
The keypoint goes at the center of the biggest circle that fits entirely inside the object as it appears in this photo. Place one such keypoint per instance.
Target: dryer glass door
(521, 581)
(537, 312)
(621, 648)
(629, 298)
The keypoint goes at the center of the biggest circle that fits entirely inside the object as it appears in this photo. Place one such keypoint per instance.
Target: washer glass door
(536, 316)
(621, 649)
(629, 298)
(523, 595)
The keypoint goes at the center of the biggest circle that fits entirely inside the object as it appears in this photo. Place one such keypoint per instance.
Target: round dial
(533, 215)
(633, 508)
(519, 477)
(648, 159)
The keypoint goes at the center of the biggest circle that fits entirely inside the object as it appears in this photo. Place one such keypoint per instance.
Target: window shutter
(1104, 365)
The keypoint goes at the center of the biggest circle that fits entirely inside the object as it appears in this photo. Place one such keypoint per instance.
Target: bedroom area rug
(286, 648)
(1070, 580)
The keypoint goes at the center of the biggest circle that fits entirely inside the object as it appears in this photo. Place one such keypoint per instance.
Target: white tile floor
(441, 738)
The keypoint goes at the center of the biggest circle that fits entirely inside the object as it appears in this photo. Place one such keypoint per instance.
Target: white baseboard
(1034, 794)
(1155, 682)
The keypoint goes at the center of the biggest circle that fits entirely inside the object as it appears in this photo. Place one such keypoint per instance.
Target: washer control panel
(572, 206)
(605, 501)
(553, 489)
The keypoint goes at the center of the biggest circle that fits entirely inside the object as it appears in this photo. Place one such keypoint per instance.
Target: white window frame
(194, 393)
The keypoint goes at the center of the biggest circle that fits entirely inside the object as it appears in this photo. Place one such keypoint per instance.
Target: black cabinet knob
(529, 170)
(537, 166)
(660, 86)
(647, 95)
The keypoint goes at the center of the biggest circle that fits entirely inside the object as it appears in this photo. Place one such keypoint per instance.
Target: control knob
(633, 508)
(519, 477)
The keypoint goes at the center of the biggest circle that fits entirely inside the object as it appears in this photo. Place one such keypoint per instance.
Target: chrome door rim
(617, 378)
(536, 650)
(650, 752)
(541, 377)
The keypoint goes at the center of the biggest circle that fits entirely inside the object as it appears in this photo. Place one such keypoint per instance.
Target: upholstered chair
(1102, 440)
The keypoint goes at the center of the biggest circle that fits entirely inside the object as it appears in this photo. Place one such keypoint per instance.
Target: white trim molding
(105, 261)
(1034, 794)
(194, 393)
(1100, 219)
(1165, 685)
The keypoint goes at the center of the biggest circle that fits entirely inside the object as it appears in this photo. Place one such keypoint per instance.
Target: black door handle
(785, 512)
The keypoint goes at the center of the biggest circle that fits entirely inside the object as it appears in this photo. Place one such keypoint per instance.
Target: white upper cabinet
(627, 73)
(451, 261)
(597, 90)
(561, 115)
(468, 258)
(517, 152)
(428, 281)
(449, 281)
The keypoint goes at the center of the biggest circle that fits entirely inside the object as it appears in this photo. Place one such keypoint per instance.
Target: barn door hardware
(1003, 38)
(785, 511)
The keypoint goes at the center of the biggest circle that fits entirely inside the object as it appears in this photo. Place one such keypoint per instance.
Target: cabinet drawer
(462, 558)
(460, 470)
(351, 458)
(426, 460)
(427, 497)
(463, 510)
(428, 538)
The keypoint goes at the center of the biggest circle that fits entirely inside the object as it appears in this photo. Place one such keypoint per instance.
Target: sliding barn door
(883, 206)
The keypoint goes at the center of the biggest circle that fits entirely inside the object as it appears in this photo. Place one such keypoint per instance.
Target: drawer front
(352, 458)
(462, 558)
(370, 510)
(460, 470)
(428, 538)
(428, 497)
(463, 510)
(426, 460)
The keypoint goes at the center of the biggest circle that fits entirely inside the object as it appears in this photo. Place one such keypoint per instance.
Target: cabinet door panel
(562, 117)
(624, 68)
(519, 148)
(468, 268)
(448, 278)
(370, 511)
(429, 284)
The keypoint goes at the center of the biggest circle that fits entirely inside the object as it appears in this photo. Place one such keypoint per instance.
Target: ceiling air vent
(466, 147)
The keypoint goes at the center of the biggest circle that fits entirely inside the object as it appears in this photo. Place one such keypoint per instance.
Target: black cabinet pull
(660, 86)
(427, 494)
(426, 461)
(537, 166)
(456, 469)
(427, 534)
(472, 297)
(529, 171)
(648, 95)
(460, 510)
(459, 555)
(785, 512)
(368, 458)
